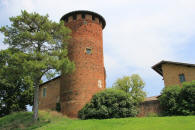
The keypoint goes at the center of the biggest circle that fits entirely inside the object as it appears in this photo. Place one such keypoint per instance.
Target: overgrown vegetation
(109, 103)
(54, 121)
(176, 100)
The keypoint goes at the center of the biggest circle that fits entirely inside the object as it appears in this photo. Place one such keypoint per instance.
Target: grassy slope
(52, 120)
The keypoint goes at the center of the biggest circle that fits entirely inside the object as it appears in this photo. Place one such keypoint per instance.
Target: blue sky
(138, 34)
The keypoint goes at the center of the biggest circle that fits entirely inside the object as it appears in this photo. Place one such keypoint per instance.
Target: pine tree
(45, 42)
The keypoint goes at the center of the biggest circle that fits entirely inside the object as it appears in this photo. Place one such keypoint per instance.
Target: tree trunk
(36, 103)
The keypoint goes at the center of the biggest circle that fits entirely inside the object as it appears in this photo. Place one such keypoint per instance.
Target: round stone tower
(86, 50)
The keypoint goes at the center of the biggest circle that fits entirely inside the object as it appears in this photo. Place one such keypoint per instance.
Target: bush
(169, 100)
(176, 100)
(109, 104)
(187, 99)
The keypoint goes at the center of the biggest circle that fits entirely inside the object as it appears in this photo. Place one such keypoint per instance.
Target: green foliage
(176, 100)
(169, 100)
(133, 85)
(16, 87)
(187, 98)
(43, 40)
(45, 44)
(109, 104)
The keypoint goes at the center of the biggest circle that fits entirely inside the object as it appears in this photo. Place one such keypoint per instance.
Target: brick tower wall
(89, 77)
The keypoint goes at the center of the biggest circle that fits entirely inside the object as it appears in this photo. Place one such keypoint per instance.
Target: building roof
(49, 81)
(85, 12)
(151, 98)
(158, 67)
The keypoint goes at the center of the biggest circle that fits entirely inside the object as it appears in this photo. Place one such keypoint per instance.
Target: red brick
(78, 88)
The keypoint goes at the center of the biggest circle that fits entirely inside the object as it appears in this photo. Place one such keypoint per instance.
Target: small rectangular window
(44, 92)
(182, 78)
(93, 17)
(83, 16)
(74, 17)
(88, 50)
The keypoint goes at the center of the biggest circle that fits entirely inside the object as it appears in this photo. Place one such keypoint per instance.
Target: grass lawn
(55, 121)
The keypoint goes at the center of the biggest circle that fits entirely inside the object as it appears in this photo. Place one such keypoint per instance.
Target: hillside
(53, 120)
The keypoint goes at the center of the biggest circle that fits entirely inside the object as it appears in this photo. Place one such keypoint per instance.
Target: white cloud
(144, 39)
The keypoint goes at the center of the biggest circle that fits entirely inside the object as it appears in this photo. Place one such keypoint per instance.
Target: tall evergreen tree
(45, 42)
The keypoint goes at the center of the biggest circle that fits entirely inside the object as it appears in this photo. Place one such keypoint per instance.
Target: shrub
(187, 99)
(109, 104)
(169, 100)
(176, 100)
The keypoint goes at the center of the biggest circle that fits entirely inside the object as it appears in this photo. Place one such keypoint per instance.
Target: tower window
(182, 78)
(74, 17)
(83, 16)
(44, 92)
(88, 50)
(93, 17)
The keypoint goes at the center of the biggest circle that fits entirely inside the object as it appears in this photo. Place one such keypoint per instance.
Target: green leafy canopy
(16, 86)
(132, 85)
